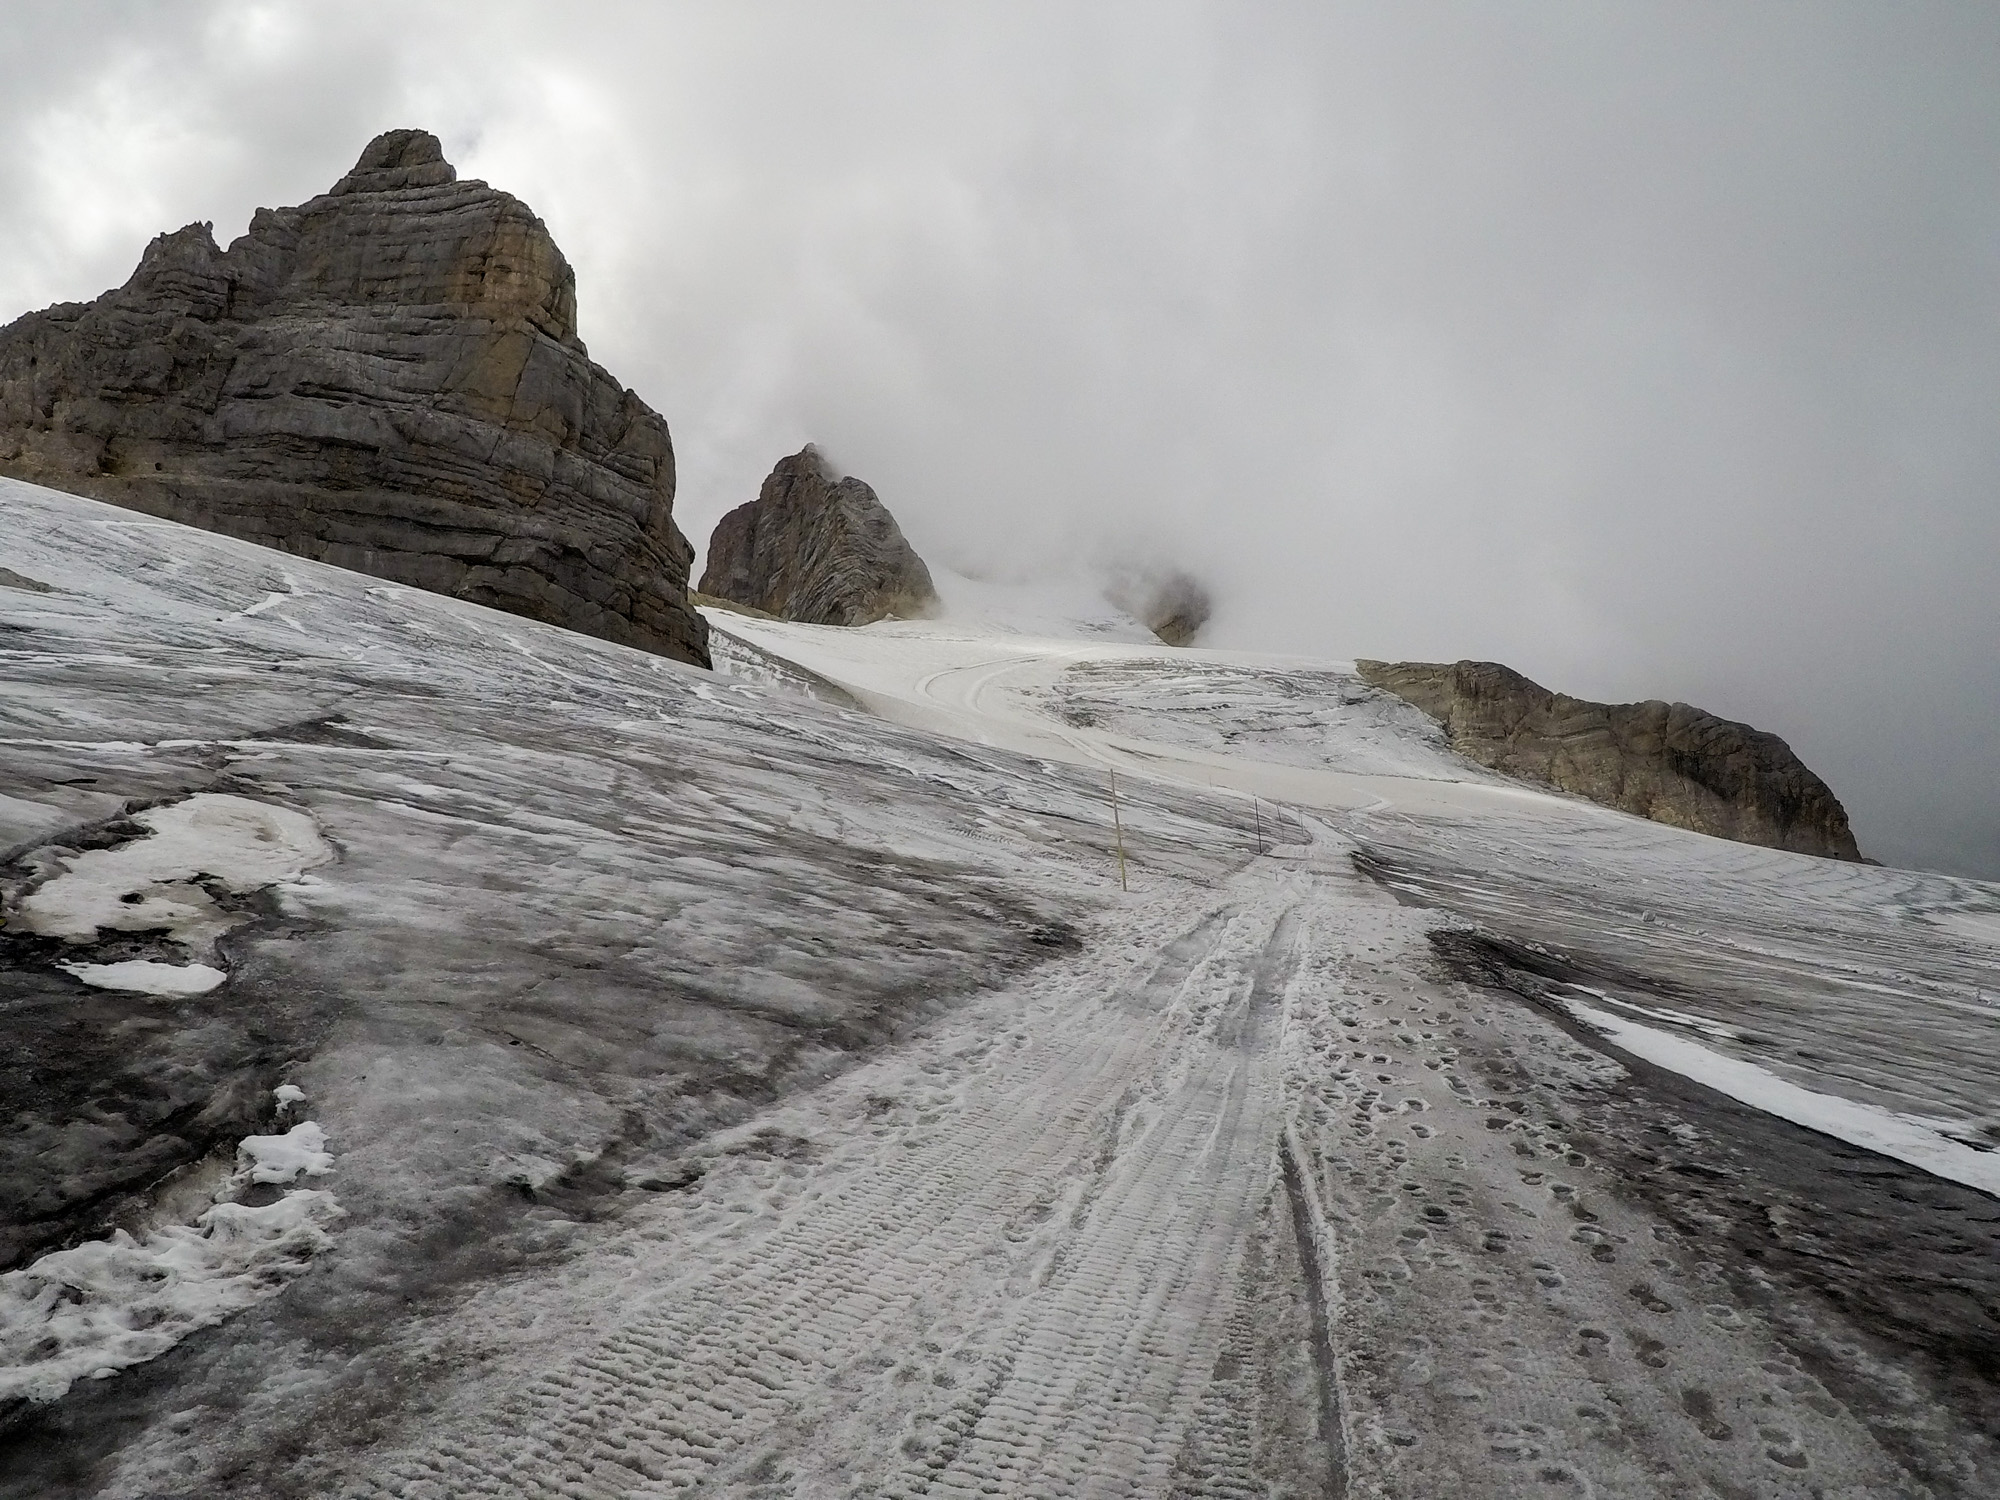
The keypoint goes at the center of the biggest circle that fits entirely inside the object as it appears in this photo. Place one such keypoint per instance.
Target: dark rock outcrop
(817, 548)
(1172, 605)
(1665, 761)
(387, 378)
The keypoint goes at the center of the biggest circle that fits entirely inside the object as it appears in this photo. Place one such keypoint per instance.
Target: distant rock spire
(819, 548)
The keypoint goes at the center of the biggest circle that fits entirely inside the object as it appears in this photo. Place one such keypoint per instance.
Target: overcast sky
(1651, 349)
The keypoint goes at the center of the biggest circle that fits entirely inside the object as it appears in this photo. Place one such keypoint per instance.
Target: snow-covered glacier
(761, 1083)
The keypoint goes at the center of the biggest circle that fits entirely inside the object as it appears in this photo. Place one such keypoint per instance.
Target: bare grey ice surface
(606, 1078)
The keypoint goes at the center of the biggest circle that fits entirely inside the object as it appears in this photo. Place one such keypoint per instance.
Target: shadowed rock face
(388, 378)
(819, 549)
(1666, 761)
(1172, 605)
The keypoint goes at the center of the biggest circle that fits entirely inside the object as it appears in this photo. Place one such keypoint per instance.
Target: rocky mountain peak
(185, 269)
(387, 377)
(402, 229)
(1670, 762)
(818, 547)
(809, 458)
(1170, 603)
(398, 159)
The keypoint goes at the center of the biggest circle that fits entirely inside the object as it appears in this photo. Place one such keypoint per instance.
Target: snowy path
(1063, 1245)
(1010, 1271)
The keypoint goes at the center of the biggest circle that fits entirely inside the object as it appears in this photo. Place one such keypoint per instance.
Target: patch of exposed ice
(104, 1306)
(22, 819)
(734, 657)
(147, 977)
(269, 601)
(282, 1158)
(1309, 715)
(1906, 1138)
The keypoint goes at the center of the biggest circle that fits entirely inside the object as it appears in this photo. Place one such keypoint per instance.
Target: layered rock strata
(819, 548)
(387, 378)
(1669, 762)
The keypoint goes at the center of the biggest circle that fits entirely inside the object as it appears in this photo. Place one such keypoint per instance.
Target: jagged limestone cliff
(388, 378)
(1669, 762)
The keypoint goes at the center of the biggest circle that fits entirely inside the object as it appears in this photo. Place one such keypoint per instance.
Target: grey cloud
(1651, 349)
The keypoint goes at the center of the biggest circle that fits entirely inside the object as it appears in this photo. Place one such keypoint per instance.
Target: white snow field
(758, 1083)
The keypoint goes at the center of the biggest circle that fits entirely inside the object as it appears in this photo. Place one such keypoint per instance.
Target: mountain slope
(721, 1088)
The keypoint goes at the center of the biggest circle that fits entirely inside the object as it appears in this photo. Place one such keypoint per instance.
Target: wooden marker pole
(1257, 810)
(1118, 827)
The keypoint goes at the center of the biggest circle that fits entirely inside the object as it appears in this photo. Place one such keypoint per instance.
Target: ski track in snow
(1075, 1206)
(1011, 1261)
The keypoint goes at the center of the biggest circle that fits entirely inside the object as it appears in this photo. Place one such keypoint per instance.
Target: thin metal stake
(1119, 827)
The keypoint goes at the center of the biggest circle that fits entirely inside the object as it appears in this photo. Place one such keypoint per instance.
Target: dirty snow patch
(281, 1158)
(148, 885)
(1906, 1138)
(147, 977)
(99, 1308)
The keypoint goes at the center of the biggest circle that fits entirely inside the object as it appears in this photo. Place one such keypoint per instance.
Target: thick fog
(1653, 350)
